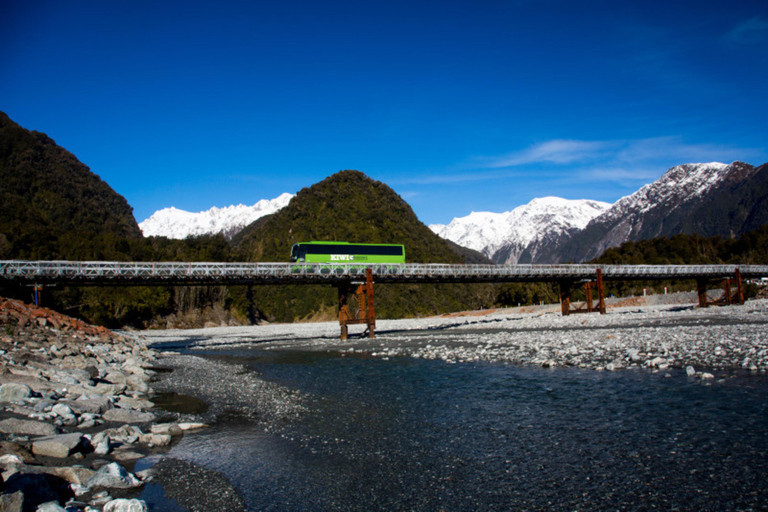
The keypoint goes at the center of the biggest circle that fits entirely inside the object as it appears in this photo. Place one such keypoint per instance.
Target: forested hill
(52, 206)
(347, 206)
(751, 248)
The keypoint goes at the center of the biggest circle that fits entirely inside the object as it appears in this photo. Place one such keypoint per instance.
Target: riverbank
(655, 333)
(77, 414)
(79, 404)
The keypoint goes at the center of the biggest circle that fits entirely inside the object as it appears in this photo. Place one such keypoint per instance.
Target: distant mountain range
(708, 199)
(178, 224)
(529, 233)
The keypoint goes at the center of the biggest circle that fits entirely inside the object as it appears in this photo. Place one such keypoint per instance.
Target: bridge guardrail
(111, 272)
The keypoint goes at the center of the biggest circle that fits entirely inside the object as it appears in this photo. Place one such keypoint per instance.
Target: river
(413, 434)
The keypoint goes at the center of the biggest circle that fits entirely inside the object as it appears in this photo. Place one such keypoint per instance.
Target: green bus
(345, 252)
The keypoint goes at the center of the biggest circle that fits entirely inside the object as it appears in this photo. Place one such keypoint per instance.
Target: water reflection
(427, 435)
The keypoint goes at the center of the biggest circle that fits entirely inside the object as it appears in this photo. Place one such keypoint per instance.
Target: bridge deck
(178, 273)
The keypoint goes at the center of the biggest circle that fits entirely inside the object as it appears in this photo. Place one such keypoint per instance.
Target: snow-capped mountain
(707, 199)
(174, 223)
(529, 233)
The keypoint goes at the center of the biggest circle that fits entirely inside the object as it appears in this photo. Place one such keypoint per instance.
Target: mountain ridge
(684, 200)
(523, 234)
(178, 224)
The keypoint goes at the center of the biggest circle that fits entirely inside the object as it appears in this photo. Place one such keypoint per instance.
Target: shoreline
(123, 372)
(656, 337)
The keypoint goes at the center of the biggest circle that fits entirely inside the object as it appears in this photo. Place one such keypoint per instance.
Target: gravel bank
(657, 336)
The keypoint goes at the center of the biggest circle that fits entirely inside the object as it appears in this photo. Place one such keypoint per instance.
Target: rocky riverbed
(79, 404)
(655, 333)
(77, 413)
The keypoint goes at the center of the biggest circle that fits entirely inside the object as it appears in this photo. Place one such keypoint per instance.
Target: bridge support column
(701, 288)
(600, 292)
(365, 310)
(727, 298)
(739, 287)
(566, 288)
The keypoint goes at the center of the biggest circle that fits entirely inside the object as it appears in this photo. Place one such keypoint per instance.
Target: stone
(138, 383)
(123, 505)
(113, 476)
(9, 459)
(690, 371)
(128, 416)
(12, 502)
(17, 450)
(74, 475)
(51, 506)
(27, 427)
(192, 426)
(62, 410)
(134, 403)
(14, 392)
(102, 447)
(95, 405)
(172, 429)
(59, 446)
(156, 439)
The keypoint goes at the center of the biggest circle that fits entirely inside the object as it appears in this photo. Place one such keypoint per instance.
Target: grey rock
(95, 405)
(51, 506)
(12, 502)
(172, 429)
(27, 427)
(74, 474)
(57, 446)
(14, 392)
(156, 439)
(690, 371)
(62, 410)
(134, 403)
(123, 505)
(113, 476)
(138, 382)
(128, 416)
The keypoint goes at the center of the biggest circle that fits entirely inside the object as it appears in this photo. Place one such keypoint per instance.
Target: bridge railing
(106, 272)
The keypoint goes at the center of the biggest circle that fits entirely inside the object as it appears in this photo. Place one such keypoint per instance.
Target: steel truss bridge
(83, 273)
(356, 279)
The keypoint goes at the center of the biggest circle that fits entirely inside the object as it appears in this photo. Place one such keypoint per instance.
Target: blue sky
(458, 106)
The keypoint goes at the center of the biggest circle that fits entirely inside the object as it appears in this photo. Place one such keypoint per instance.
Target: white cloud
(618, 161)
(555, 151)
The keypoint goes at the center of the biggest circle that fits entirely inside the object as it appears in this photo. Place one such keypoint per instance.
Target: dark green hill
(751, 248)
(52, 206)
(349, 206)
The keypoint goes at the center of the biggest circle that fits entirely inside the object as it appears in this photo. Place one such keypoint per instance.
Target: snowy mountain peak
(662, 208)
(507, 237)
(174, 223)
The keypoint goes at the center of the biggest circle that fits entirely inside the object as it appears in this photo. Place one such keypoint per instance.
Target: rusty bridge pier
(567, 287)
(727, 298)
(365, 311)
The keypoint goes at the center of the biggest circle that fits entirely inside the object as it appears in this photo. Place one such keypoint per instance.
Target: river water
(413, 434)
